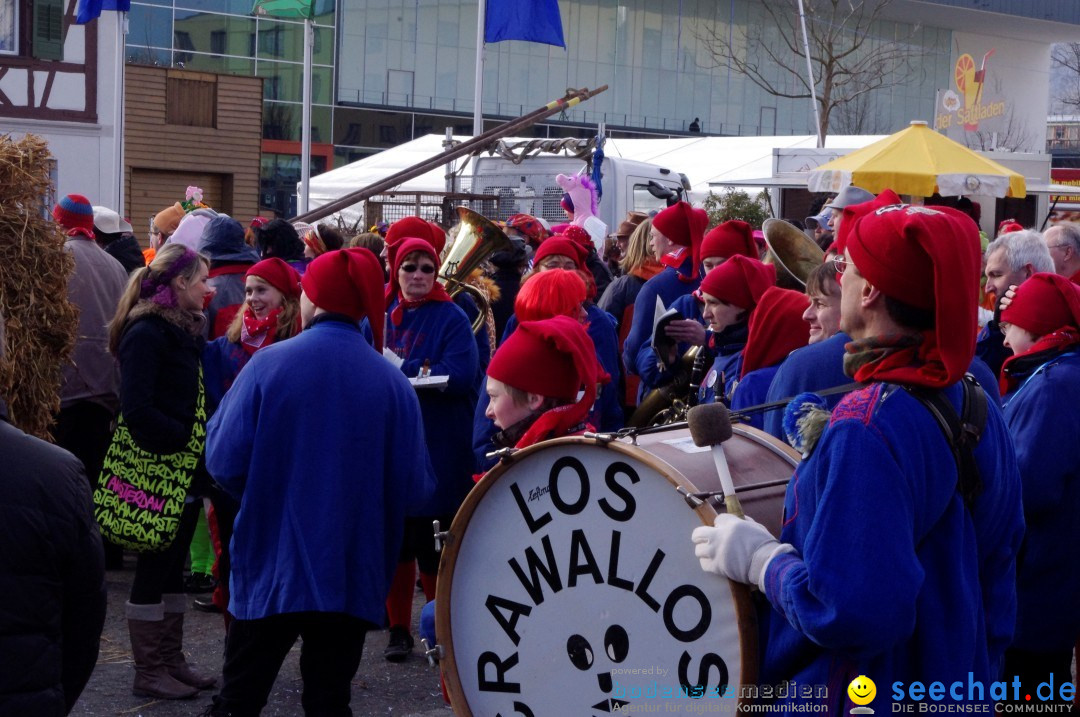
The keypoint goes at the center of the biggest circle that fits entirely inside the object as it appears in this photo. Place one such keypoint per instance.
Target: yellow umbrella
(919, 162)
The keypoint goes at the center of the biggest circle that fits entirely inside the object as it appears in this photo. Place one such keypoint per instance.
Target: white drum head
(569, 586)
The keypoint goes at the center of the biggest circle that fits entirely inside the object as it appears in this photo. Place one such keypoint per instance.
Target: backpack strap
(961, 431)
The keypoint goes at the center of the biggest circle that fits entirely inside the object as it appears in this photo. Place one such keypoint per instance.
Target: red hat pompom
(548, 294)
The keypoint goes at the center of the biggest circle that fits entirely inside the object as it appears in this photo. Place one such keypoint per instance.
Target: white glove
(392, 357)
(738, 549)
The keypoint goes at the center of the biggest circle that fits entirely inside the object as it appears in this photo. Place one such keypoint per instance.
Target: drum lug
(602, 437)
(440, 535)
(503, 454)
(696, 500)
(433, 654)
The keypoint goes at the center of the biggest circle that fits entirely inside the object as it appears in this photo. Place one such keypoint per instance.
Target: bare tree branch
(1066, 57)
(848, 61)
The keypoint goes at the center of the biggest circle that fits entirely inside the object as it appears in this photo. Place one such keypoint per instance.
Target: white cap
(109, 221)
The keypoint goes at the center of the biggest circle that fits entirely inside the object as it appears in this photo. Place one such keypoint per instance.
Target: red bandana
(257, 333)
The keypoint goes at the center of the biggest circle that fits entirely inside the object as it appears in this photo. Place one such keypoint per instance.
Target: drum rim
(745, 613)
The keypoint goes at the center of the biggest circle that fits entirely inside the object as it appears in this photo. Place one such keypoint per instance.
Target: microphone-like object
(710, 426)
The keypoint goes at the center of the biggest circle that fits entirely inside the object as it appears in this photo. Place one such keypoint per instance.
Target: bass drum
(568, 583)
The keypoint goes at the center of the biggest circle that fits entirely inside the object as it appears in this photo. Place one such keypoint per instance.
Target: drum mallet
(710, 426)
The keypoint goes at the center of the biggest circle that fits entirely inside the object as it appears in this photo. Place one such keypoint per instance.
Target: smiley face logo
(862, 690)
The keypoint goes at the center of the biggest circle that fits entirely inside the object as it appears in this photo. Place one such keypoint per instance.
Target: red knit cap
(685, 226)
(413, 227)
(739, 281)
(728, 239)
(776, 329)
(562, 246)
(928, 258)
(554, 358)
(277, 274)
(1044, 304)
(350, 282)
(550, 293)
(76, 215)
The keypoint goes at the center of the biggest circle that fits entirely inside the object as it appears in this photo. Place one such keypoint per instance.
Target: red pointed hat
(776, 329)
(850, 213)
(930, 258)
(554, 358)
(684, 225)
(739, 281)
(1044, 304)
(350, 282)
(728, 239)
(278, 274)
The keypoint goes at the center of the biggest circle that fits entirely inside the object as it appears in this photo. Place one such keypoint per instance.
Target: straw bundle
(34, 269)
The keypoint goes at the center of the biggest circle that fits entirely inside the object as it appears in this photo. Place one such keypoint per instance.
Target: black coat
(125, 249)
(52, 577)
(159, 377)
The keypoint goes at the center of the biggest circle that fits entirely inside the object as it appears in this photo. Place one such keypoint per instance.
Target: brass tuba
(477, 239)
(793, 253)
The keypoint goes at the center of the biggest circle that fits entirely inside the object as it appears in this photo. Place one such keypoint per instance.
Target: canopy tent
(701, 159)
(919, 162)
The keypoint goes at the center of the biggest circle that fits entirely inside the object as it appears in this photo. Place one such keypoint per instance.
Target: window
(271, 42)
(191, 102)
(217, 42)
(387, 134)
(9, 27)
(48, 29)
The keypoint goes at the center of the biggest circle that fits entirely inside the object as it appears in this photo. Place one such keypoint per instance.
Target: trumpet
(477, 239)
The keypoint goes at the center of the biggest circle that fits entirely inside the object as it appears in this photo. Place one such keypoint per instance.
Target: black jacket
(159, 376)
(125, 249)
(52, 577)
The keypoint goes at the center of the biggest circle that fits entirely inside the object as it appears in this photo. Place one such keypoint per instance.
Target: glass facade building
(386, 71)
(654, 55)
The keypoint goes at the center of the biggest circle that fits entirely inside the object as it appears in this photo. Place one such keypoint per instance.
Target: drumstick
(710, 425)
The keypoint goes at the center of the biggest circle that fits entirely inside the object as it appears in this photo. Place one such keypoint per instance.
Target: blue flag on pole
(528, 20)
(90, 9)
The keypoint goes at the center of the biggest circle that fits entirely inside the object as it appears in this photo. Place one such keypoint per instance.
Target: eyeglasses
(425, 268)
(839, 263)
(1055, 246)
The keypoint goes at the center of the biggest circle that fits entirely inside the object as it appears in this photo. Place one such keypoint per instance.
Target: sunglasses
(410, 268)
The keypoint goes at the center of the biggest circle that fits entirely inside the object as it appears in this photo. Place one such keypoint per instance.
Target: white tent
(701, 159)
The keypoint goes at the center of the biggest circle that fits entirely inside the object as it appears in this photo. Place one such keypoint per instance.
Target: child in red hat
(542, 382)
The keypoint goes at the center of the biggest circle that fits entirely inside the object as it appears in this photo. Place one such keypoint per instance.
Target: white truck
(528, 186)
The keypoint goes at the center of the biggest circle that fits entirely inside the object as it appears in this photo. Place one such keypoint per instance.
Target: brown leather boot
(152, 679)
(172, 644)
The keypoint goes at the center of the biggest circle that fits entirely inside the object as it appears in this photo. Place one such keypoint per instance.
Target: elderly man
(896, 559)
(848, 197)
(1011, 259)
(1063, 243)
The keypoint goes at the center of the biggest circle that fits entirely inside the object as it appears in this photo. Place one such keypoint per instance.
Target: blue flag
(528, 20)
(90, 9)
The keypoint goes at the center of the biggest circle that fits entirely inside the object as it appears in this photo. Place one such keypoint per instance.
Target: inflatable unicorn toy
(583, 196)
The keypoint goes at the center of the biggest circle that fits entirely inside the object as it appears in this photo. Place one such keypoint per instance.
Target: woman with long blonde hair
(156, 335)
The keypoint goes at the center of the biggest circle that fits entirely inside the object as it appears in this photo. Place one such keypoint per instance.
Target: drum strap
(961, 431)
